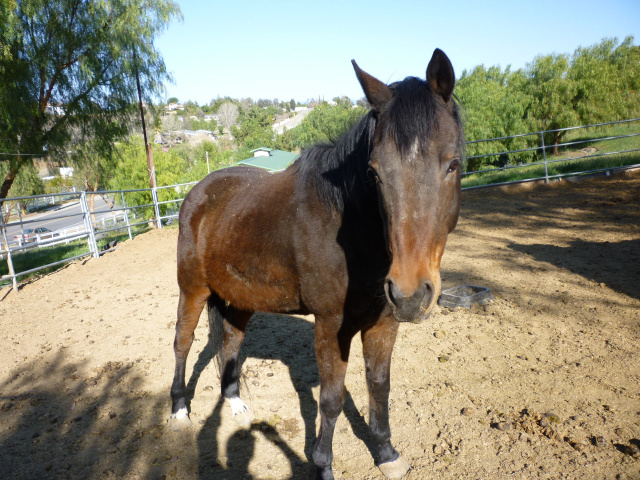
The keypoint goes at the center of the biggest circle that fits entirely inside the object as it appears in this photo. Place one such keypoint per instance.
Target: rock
(468, 411)
(628, 449)
(503, 426)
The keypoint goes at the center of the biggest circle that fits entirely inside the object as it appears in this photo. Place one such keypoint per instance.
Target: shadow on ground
(289, 340)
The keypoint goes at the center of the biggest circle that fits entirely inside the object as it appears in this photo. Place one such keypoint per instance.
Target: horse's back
(236, 236)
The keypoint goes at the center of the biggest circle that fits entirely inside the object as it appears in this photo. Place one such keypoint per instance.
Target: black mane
(339, 171)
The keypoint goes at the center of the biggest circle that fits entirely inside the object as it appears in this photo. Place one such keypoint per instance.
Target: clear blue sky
(299, 49)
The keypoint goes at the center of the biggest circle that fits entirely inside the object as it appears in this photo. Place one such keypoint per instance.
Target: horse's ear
(440, 76)
(378, 94)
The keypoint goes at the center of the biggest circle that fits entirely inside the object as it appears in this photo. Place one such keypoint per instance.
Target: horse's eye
(453, 166)
(374, 174)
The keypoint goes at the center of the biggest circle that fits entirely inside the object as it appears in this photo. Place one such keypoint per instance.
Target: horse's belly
(260, 289)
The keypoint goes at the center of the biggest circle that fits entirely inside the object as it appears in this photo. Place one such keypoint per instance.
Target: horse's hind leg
(190, 307)
(377, 346)
(233, 323)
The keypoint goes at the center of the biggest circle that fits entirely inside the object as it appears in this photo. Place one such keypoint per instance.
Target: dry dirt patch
(543, 382)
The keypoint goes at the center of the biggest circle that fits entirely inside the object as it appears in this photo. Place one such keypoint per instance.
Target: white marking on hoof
(396, 469)
(183, 412)
(180, 420)
(240, 411)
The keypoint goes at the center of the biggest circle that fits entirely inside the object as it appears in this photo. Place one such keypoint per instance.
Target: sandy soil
(543, 382)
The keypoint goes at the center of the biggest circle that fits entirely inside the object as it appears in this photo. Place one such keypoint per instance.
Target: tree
(552, 92)
(607, 81)
(494, 105)
(324, 124)
(173, 100)
(292, 105)
(228, 114)
(69, 62)
(131, 173)
(27, 183)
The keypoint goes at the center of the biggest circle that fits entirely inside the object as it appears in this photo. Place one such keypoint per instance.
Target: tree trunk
(14, 167)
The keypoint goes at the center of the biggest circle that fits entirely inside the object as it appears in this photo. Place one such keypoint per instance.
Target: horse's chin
(417, 317)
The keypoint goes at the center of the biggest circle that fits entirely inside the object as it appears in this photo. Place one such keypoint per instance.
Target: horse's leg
(332, 353)
(190, 307)
(377, 346)
(234, 325)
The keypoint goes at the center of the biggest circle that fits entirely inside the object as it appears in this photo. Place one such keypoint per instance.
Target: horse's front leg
(377, 347)
(332, 353)
(190, 307)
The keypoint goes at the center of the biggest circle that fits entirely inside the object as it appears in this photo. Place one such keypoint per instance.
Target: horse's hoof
(395, 469)
(240, 412)
(179, 421)
(324, 473)
(243, 419)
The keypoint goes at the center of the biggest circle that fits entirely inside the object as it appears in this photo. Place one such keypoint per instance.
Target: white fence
(82, 223)
(89, 224)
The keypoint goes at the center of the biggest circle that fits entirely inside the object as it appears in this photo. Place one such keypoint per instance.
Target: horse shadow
(270, 337)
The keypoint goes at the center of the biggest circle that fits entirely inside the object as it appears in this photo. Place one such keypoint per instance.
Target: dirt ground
(542, 382)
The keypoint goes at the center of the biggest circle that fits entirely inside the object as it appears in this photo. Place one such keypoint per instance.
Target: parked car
(31, 234)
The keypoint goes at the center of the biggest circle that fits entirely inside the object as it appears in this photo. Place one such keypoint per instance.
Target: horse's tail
(216, 308)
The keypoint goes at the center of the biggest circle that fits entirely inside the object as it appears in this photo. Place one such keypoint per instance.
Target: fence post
(12, 272)
(91, 238)
(126, 215)
(544, 155)
(156, 207)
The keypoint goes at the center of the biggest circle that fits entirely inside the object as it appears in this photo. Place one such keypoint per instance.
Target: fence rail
(93, 223)
(541, 149)
(121, 216)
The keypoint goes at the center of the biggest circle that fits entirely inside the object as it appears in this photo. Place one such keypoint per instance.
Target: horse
(352, 232)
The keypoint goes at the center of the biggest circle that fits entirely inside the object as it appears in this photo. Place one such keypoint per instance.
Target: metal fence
(538, 148)
(83, 224)
(159, 205)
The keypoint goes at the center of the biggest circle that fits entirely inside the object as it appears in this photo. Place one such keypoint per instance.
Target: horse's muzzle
(414, 308)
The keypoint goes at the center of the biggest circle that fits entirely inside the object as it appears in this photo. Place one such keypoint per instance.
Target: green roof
(276, 161)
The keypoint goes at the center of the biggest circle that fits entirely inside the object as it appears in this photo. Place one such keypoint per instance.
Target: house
(270, 159)
(173, 106)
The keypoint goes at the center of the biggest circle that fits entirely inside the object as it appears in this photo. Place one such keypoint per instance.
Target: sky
(302, 50)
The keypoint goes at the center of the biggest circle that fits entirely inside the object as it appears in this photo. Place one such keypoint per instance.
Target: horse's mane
(339, 171)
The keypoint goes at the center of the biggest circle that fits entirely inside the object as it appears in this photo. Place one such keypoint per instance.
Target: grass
(568, 159)
(36, 257)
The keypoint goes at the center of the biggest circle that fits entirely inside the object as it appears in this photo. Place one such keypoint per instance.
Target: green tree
(27, 183)
(494, 105)
(131, 173)
(70, 61)
(552, 91)
(173, 100)
(255, 128)
(607, 81)
(324, 124)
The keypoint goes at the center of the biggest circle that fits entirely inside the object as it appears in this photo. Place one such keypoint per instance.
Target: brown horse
(352, 233)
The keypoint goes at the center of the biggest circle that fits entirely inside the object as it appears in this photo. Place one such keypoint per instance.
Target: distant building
(270, 159)
(66, 172)
(54, 109)
(173, 106)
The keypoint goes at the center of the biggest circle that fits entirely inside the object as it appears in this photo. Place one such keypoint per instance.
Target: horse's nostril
(394, 294)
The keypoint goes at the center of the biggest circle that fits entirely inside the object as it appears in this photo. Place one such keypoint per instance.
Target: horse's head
(416, 161)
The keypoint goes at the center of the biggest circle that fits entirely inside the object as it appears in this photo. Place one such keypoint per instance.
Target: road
(72, 217)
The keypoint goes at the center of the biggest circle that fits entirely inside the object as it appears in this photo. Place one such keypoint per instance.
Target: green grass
(566, 162)
(36, 257)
